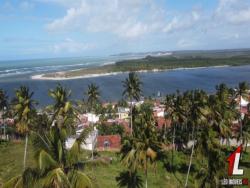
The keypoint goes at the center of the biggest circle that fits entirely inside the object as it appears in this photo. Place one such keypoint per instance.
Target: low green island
(158, 63)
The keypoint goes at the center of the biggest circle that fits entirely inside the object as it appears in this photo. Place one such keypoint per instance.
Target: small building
(90, 142)
(123, 113)
(244, 102)
(88, 117)
(108, 142)
(159, 111)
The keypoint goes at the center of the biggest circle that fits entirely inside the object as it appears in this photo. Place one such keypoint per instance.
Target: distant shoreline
(150, 64)
(61, 77)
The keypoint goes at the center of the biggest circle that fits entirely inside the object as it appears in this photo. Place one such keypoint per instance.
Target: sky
(73, 28)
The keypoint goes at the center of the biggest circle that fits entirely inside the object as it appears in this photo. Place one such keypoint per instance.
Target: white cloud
(182, 22)
(71, 46)
(124, 18)
(130, 20)
(71, 18)
(234, 11)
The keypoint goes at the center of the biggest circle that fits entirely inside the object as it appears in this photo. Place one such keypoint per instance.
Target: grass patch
(11, 164)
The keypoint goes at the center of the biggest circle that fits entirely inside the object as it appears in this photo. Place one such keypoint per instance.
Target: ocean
(16, 73)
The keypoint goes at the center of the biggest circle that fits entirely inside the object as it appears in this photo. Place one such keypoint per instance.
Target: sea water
(16, 73)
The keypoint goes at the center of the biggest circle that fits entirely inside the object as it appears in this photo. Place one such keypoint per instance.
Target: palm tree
(209, 148)
(141, 150)
(3, 106)
(197, 118)
(246, 131)
(174, 108)
(24, 110)
(62, 107)
(242, 92)
(222, 111)
(56, 166)
(132, 90)
(129, 179)
(93, 95)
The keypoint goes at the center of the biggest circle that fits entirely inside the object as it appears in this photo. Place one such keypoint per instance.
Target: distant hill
(223, 53)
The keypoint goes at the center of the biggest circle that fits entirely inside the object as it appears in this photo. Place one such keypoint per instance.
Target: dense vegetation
(187, 153)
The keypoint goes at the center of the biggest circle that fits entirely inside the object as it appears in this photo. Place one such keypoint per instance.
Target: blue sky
(69, 28)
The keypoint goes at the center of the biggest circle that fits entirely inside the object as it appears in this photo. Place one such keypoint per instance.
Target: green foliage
(24, 109)
(132, 87)
(110, 129)
(93, 95)
(129, 179)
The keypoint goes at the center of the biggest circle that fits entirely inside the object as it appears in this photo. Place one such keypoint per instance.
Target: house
(108, 142)
(158, 111)
(123, 113)
(123, 122)
(89, 117)
(90, 142)
(244, 102)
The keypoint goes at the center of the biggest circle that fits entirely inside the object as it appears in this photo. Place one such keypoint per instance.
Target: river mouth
(111, 85)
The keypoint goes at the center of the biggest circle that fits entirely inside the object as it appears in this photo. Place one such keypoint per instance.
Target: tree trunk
(92, 149)
(173, 147)
(4, 127)
(4, 131)
(146, 174)
(191, 157)
(92, 140)
(131, 116)
(246, 145)
(25, 151)
(241, 138)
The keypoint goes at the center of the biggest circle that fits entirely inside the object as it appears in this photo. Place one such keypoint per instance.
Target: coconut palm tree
(62, 107)
(246, 131)
(197, 117)
(3, 106)
(56, 166)
(93, 96)
(132, 90)
(214, 168)
(23, 113)
(129, 179)
(242, 92)
(174, 108)
(142, 149)
(222, 111)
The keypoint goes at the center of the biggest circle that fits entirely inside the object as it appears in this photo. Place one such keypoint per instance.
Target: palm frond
(79, 179)
(55, 178)
(46, 161)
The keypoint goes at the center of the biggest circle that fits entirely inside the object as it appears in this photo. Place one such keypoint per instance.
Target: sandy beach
(62, 77)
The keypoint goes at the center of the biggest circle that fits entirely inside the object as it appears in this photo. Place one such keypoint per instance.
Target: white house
(123, 112)
(91, 141)
(244, 103)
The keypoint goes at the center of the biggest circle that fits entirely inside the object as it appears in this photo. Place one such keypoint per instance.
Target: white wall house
(92, 118)
(244, 103)
(123, 113)
(90, 141)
